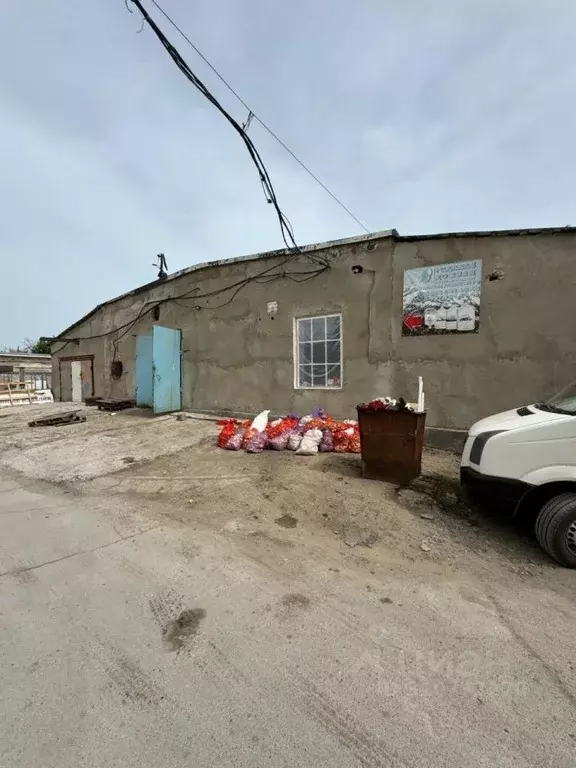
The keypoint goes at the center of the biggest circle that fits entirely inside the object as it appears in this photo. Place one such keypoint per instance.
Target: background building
(24, 378)
(36, 370)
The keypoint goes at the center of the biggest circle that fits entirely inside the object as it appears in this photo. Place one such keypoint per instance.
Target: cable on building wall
(265, 275)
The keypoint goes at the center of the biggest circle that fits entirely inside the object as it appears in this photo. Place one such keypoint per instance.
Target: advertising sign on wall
(442, 299)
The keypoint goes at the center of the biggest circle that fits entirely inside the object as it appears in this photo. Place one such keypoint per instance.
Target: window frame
(296, 351)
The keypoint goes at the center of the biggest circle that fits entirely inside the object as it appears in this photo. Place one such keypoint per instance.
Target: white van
(527, 456)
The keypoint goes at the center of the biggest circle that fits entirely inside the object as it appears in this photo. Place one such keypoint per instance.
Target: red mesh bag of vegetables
(280, 426)
(354, 442)
(248, 435)
(228, 428)
(342, 440)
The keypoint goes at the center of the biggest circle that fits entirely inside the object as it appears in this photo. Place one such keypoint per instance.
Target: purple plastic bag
(257, 443)
(279, 442)
(235, 442)
(327, 442)
(294, 440)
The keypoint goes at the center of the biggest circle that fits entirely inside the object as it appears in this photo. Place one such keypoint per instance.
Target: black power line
(258, 119)
(285, 226)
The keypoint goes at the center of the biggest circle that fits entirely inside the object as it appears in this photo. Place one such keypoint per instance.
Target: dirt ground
(174, 602)
(175, 470)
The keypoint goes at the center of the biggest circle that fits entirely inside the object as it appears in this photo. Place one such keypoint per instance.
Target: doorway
(159, 370)
(76, 378)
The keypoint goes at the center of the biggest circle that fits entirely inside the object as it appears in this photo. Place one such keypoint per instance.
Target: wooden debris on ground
(58, 419)
(115, 405)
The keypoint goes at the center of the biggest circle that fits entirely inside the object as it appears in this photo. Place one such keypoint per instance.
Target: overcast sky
(424, 116)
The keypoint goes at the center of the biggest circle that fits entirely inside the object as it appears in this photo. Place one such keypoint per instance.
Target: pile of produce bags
(305, 436)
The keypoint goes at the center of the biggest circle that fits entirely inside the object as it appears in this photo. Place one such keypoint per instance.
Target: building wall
(236, 357)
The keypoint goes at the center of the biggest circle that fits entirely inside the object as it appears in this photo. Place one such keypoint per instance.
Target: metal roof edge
(391, 233)
(488, 233)
(284, 252)
(29, 355)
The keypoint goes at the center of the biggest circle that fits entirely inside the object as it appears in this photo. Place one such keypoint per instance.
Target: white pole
(420, 394)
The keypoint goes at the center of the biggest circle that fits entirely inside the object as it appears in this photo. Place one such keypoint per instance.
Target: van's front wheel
(556, 528)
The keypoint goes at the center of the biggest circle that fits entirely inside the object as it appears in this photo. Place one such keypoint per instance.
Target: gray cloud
(422, 116)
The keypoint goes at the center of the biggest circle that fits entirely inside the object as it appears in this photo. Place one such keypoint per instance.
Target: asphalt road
(126, 641)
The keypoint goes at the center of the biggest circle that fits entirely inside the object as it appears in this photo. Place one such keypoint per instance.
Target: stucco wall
(239, 358)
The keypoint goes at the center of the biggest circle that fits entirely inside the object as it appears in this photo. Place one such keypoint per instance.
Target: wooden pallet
(115, 405)
(58, 419)
(92, 400)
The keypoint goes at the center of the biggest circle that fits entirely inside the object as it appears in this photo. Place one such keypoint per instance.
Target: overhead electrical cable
(270, 194)
(253, 115)
(264, 275)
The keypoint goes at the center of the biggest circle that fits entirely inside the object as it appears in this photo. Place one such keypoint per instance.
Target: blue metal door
(166, 368)
(144, 371)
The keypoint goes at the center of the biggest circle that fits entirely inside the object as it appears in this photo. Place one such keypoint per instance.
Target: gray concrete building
(487, 318)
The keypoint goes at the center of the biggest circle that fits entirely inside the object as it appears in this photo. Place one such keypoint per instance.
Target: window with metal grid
(318, 352)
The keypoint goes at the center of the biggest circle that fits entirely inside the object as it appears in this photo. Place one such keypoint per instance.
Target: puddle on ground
(287, 521)
(176, 632)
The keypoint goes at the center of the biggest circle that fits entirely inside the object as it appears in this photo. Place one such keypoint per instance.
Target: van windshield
(563, 402)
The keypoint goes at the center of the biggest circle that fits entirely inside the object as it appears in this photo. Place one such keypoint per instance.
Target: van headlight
(478, 445)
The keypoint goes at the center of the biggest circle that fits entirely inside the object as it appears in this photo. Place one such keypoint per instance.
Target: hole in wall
(496, 274)
(116, 369)
(156, 312)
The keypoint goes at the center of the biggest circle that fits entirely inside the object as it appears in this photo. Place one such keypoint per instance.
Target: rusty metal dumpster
(391, 444)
